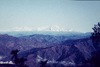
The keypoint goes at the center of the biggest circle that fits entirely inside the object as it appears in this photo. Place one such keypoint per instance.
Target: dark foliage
(95, 59)
(19, 62)
(43, 63)
(96, 35)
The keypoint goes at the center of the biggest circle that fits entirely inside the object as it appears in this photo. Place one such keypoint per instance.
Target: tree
(14, 54)
(43, 63)
(95, 59)
(18, 61)
(96, 35)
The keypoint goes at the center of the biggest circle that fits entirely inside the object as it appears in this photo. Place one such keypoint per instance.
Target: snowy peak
(52, 28)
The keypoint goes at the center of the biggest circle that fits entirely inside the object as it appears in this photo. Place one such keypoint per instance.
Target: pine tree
(96, 36)
(19, 62)
(95, 59)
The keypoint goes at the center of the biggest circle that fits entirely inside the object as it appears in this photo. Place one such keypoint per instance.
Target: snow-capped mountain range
(52, 28)
(55, 28)
(45, 30)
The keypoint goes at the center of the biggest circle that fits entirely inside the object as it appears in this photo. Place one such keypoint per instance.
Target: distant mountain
(66, 50)
(66, 54)
(45, 30)
(52, 28)
(41, 28)
(55, 33)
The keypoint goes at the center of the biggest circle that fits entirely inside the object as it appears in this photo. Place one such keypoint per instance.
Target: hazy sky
(75, 15)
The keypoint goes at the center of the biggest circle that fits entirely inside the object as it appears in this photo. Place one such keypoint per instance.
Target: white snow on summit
(52, 28)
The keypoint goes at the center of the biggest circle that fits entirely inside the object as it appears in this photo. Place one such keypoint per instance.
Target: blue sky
(75, 15)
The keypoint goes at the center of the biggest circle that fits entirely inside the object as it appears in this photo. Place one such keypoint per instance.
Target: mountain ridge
(64, 50)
